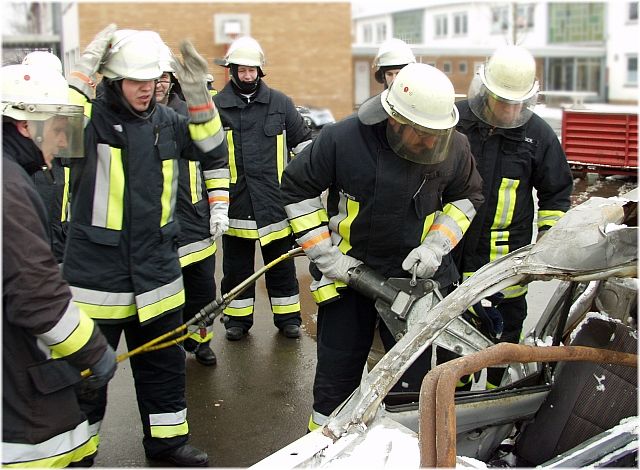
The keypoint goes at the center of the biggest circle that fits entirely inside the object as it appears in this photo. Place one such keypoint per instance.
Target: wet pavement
(258, 398)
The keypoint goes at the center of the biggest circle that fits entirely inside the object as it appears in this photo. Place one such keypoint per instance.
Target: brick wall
(307, 44)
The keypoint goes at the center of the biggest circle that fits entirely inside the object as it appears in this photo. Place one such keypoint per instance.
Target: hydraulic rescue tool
(205, 316)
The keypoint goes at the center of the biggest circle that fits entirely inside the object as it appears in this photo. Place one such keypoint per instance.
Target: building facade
(575, 44)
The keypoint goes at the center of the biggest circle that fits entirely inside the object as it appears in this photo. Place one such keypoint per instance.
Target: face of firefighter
(419, 145)
(247, 74)
(138, 93)
(54, 138)
(163, 85)
(503, 114)
(390, 75)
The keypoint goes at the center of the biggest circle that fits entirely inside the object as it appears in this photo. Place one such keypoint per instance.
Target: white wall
(70, 36)
(622, 40)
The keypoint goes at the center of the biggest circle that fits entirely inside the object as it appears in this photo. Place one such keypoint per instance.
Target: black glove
(102, 371)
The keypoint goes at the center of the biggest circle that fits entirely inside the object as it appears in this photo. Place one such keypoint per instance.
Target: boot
(291, 331)
(205, 355)
(184, 456)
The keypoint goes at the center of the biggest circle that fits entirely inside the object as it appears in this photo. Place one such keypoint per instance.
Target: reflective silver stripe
(97, 297)
(263, 231)
(101, 188)
(300, 147)
(308, 206)
(217, 174)
(319, 418)
(63, 329)
(199, 181)
(241, 303)
(466, 207)
(168, 419)
(13, 453)
(285, 300)
(209, 143)
(194, 247)
(159, 293)
(243, 224)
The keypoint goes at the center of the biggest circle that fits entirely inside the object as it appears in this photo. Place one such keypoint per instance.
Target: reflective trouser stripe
(196, 251)
(56, 452)
(162, 299)
(282, 305)
(317, 420)
(201, 334)
(249, 229)
(166, 425)
(105, 305)
(240, 307)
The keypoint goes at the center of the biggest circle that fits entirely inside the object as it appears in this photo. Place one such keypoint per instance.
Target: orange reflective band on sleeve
(214, 199)
(446, 231)
(204, 107)
(315, 240)
(82, 77)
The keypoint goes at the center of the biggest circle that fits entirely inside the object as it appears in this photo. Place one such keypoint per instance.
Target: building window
(575, 23)
(407, 25)
(462, 68)
(367, 36)
(632, 70)
(446, 67)
(381, 32)
(633, 12)
(440, 26)
(499, 20)
(524, 17)
(460, 24)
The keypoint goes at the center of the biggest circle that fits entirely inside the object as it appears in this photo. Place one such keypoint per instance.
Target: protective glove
(84, 76)
(427, 256)
(218, 223)
(191, 73)
(102, 371)
(335, 265)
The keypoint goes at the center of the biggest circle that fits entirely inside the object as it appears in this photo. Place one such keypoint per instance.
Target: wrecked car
(568, 396)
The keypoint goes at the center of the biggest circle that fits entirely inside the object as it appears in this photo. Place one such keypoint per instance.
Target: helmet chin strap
(243, 87)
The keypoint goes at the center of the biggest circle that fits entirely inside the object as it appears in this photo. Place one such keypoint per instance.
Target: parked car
(548, 410)
(316, 118)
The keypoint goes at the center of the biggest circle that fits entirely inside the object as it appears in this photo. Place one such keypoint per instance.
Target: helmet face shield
(416, 143)
(61, 134)
(497, 111)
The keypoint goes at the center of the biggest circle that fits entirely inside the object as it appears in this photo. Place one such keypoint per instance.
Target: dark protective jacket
(42, 424)
(379, 205)
(121, 257)
(200, 187)
(513, 163)
(260, 137)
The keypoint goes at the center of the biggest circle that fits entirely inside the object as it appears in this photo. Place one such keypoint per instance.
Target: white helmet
(40, 96)
(421, 97)
(245, 51)
(134, 55)
(393, 53)
(508, 77)
(44, 59)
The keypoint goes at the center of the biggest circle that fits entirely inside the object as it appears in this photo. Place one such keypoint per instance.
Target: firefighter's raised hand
(191, 72)
(83, 76)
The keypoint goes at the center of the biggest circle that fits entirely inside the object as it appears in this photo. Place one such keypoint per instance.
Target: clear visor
(497, 111)
(416, 143)
(60, 135)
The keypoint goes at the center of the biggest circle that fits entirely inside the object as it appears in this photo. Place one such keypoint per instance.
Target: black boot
(205, 355)
(184, 456)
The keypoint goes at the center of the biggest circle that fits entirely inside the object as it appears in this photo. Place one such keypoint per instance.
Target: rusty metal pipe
(437, 425)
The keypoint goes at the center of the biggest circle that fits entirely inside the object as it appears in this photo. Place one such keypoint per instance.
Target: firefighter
(52, 183)
(392, 55)
(47, 339)
(402, 190)
(516, 152)
(121, 257)
(210, 81)
(262, 128)
(203, 202)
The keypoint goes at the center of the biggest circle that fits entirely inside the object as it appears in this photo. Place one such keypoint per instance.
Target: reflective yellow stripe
(309, 221)
(108, 312)
(109, 215)
(199, 339)
(549, 218)
(313, 426)
(459, 217)
(196, 256)
(514, 291)
(281, 309)
(499, 244)
(167, 191)
(65, 195)
(344, 227)
(206, 129)
(280, 155)
(428, 222)
(238, 312)
(243, 233)
(76, 340)
(325, 293)
(165, 432)
(194, 190)
(163, 305)
(232, 158)
(222, 183)
(275, 236)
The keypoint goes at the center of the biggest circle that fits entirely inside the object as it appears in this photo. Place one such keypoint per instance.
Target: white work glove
(335, 265)
(427, 256)
(191, 73)
(218, 223)
(83, 76)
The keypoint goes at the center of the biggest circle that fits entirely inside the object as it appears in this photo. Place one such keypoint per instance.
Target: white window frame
(440, 26)
(367, 33)
(499, 25)
(381, 32)
(631, 77)
(460, 24)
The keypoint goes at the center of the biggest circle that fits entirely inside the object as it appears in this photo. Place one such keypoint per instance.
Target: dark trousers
(239, 263)
(159, 378)
(199, 286)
